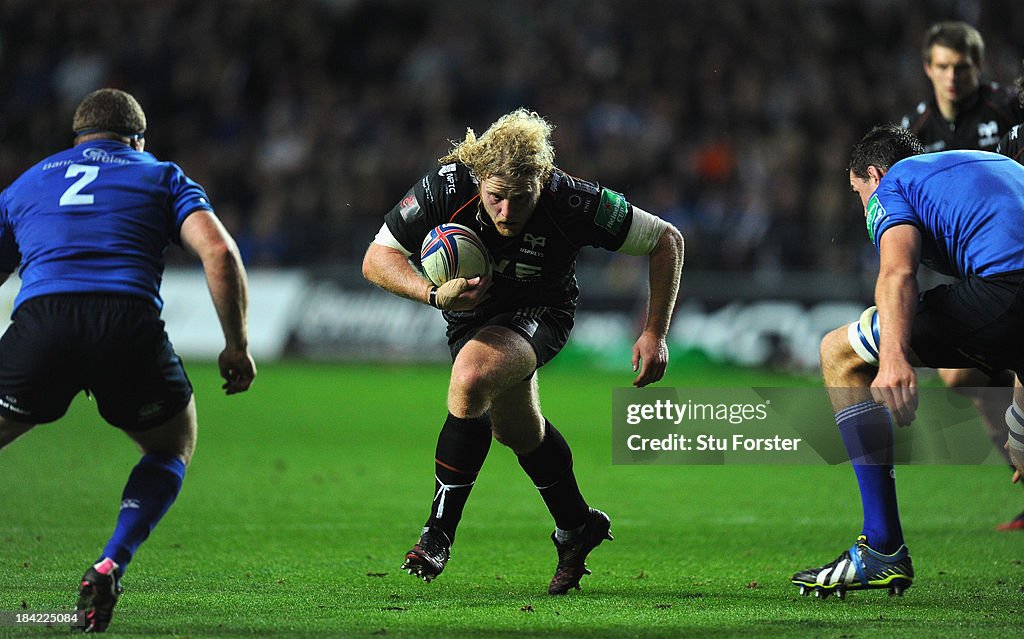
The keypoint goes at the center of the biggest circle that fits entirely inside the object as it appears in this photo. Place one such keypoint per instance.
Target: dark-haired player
(960, 213)
(962, 112)
(965, 113)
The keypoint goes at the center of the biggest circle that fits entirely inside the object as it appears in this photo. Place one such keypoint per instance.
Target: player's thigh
(137, 378)
(41, 368)
(495, 359)
(176, 437)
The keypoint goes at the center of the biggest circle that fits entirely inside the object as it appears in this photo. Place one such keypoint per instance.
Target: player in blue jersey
(533, 218)
(960, 213)
(87, 229)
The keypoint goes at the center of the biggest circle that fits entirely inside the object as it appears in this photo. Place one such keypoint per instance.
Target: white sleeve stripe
(386, 238)
(644, 233)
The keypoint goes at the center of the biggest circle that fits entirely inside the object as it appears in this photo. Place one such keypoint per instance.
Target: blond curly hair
(518, 145)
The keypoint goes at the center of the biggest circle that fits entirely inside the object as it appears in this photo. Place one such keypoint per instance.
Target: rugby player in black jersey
(534, 219)
(1012, 144)
(964, 113)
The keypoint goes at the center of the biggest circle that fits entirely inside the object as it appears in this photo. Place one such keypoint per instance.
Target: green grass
(306, 492)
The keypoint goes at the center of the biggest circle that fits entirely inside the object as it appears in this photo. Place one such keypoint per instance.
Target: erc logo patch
(611, 212)
(874, 215)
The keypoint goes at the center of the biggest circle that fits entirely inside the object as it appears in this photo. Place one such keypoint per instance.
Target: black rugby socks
(462, 447)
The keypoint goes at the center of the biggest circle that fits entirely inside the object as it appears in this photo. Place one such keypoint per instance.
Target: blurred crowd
(306, 120)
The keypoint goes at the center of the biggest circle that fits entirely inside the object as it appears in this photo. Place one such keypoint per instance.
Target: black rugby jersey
(536, 267)
(1012, 144)
(979, 125)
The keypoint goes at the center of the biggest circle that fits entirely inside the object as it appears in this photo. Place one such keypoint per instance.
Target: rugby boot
(100, 589)
(572, 555)
(859, 568)
(1017, 523)
(430, 554)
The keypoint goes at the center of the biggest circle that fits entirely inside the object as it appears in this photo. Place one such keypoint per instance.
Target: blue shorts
(976, 322)
(111, 346)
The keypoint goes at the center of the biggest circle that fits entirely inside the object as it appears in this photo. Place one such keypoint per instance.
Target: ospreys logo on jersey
(988, 133)
(534, 241)
(611, 212)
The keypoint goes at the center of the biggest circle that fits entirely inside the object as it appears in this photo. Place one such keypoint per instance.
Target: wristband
(1013, 422)
(432, 296)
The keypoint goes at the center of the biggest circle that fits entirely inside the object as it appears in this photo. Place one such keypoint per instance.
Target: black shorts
(112, 346)
(546, 328)
(976, 322)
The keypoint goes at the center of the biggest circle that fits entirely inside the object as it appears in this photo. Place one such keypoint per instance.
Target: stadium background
(306, 121)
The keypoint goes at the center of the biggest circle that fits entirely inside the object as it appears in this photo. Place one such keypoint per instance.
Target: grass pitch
(306, 492)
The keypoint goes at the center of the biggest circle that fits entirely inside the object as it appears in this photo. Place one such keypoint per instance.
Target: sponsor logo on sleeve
(875, 214)
(448, 173)
(409, 207)
(556, 179)
(611, 212)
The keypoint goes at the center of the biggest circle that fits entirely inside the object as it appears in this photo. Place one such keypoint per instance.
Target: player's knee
(174, 438)
(959, 378)
(469, 388)
(834, 347)
(841, 364)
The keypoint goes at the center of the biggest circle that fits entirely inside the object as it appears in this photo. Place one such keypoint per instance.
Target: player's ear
(875, 173)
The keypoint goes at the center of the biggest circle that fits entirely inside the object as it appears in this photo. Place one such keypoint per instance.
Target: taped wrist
(445, 295)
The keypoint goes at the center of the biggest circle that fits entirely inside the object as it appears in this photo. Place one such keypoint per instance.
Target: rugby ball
(452, 250)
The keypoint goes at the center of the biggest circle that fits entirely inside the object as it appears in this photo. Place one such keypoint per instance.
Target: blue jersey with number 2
(96, 218)
(968, 206)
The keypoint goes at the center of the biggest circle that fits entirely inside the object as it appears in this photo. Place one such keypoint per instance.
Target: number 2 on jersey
(73, 195)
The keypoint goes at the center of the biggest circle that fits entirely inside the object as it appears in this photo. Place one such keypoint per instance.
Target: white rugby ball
(453, 250)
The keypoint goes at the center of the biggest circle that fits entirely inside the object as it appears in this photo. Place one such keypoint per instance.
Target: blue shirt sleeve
(887, 208)
(186, 196)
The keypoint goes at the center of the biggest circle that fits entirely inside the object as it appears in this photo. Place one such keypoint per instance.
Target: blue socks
(151, 489)
(866, 429)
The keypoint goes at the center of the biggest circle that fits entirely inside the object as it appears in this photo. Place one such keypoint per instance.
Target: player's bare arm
(389, 268)
(650, 352)
(204, 236)
(896, 292)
